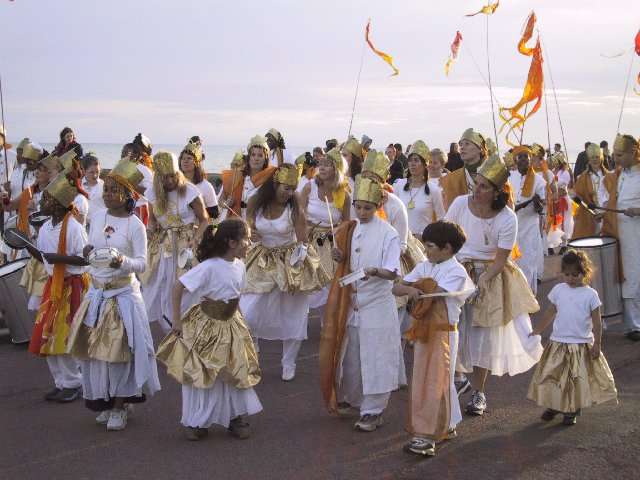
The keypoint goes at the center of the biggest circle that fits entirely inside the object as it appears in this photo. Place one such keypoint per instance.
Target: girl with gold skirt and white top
(326, 201)
(110, 335)
(282, 269)
(209, 349)
(177, 219)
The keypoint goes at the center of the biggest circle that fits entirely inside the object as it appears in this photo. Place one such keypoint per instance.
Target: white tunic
(207, 193)
(95, 197)
(216, 279)
(420, 206)
(82, 204)
(317, 212)
(287, 157)
(179, 211)
(21, 178)
(573, 318)
(629, 230)
(76, 240)
(147, 182)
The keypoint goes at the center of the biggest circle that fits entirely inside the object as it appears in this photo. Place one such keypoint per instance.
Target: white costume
(422, 208)
(287, 157)
(147, 183)
(82, 204)
(95, 197)
(207, 193)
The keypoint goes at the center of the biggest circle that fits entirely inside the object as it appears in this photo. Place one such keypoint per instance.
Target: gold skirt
(324, 250)
(34, 277)
(567, 379)
(270, 268)
(160, 245)
(215, 344)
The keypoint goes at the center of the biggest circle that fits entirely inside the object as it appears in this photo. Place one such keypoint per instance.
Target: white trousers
(290, 350)
(350, 390)
(65, 371)
(631, 314)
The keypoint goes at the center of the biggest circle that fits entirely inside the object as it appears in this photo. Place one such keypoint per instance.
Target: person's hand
(594, 351)
(255, 235)
(86, 251)
(176, 328)
(483, 284)
(414, 294)
(117, 262)
(632, 212)
(32, 206)
(337, 254)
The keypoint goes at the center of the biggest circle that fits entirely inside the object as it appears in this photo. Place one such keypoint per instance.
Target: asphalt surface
(294, 438)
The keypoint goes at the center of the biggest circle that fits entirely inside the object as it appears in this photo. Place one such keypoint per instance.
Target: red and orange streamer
(487, 10)
(455, 52)
(387, 58)
(636, 89)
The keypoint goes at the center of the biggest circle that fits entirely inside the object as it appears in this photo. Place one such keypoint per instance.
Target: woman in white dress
(191, 159)
(495, 327)
(110, 334)
(282, 269)
(177, 219)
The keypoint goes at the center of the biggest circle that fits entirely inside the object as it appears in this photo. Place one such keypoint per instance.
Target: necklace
(487, 226)
(411, 205)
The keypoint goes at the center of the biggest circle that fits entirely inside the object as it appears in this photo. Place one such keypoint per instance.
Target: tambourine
(102, 257)
(37, 219)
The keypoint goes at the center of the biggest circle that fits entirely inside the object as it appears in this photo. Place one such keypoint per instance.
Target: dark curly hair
(580, 260)
(442, 232)
(216, 238)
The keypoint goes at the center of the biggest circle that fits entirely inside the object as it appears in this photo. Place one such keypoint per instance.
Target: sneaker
(103, 418)
(462, 385)
(67, 395)
(477, 404)
(369, 422)
(117, 419)
(548, 415)
(420, 447)
(52, 394)
(239, 428)
(288, 374)
(344, 409)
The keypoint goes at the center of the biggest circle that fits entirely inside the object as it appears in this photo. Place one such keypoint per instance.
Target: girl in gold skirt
(572, 373)
(209, 350)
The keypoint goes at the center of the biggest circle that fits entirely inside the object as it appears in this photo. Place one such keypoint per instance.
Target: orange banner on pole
(384, 56)
(455, 52)
(487, 10)
(526, 36)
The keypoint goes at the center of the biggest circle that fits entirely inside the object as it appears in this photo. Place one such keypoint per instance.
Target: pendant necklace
(411, 205)
(489, 225)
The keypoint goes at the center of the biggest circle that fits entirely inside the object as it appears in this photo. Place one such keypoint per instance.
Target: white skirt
(505, 349)
(319, 299)
(104, 380)
(157, 293)
(276, 315)
(202, 407)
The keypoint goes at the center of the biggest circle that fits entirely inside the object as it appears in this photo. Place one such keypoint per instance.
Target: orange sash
(552, 221)
(23, 213)
(57, 281)
(528, 182)
(233, 182)
(335, 320)
(453, 185)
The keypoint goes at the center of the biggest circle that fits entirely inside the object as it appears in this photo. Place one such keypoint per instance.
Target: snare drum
(102, 257)
(14, 300)
(603, 252)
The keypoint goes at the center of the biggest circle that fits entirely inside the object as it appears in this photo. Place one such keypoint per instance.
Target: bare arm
(547, 319)
(304, 196)
(176, 298)
(502, 256)
(300, 225)
(595, 349)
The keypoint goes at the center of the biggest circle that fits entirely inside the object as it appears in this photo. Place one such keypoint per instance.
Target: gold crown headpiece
(625, 144)
(194, 149)
(238, 160)
(421, 149)
(288, 174)
(594, 150)
(25, 141)
(67, 159)
(275, 133)
(537, 149)
(354, 147)
(338, 160)
(367, 190)
(62, 189)
(495, 170)
(32, 151)
(491, 146)
(52, 162)
(257, 141)
(476, 138)
(165, 163)
(508, 159)
(559, 158)
(378, 163)
(126, 172)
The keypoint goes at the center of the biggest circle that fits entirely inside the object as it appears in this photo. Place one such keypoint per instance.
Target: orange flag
(488, 10)
(455, 52)
(384, 56)
(526, 36)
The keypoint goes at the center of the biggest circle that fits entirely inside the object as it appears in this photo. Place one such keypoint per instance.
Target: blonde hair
(162, 198)
(442, 153)
(336, 182)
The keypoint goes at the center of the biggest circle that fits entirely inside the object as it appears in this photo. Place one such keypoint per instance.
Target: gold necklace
(411, 205)
(489, 224)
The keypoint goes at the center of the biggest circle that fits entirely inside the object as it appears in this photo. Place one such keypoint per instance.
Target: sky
(227, 70)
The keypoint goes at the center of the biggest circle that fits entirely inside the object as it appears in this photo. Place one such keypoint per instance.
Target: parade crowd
(439, 252)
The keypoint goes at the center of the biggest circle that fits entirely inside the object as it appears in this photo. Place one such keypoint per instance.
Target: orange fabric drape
(584, 223)
(453, 185)
(57, 281)
(23, 213)
(233, 182)
(487, 10)
(147, 161)
(387, 58)
(527, 35)
(335, 320)
(528, 182)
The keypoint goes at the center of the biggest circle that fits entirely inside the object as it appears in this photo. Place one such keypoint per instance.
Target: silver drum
(14, 300)
(603, 252)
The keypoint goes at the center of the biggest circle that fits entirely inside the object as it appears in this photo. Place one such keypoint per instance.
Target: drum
(37, 219)
(11, 222)
(603, 252)
(14, 300)
(102, 257)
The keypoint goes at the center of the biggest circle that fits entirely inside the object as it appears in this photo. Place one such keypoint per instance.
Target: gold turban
(257, 141)
(476, 138)
(288, 173)
(62, 189)
(195, 150)
(354, 147)
(494, 170)
(594, 150)
(521, 148)
(367, 190)
(420, 148)
(165, 163)
(625, 144)
(338, 160)
(378, 163)
(126, 172)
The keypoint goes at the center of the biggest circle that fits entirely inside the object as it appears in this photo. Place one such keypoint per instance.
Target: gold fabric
(211, 348)
(508, 295)
(161, 245)
(270, 268)
(420, 148)
(288, 175)
(378, 163)
(567, 379)
(476, 138)
(67, 159)
(34, 277)
(367, 190)
(495, 170)
(61, 189)
(127, 173)
(52, 162)
(31, 153)
(257, 141)
(354, 147)
(324, 251)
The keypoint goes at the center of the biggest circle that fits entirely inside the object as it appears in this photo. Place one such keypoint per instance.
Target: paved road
(293, 438)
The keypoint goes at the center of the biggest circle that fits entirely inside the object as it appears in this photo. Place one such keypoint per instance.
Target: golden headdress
(338, 160)
(62, 189)
(491, 146)
(594, 150)
(476, 138)
(23, 143)
(288, 174)
(126, 172)
(537, 149)
(67, 159)
(420, 148)
(495, 170)
(32, 151)
(378, 163)
(276, 134)
(194, 149)
(508, 160)
(238, 160)
(52, 162)
(301, 159)
(354, 147)
(625, 144)
(165, 163)
(257, 141)
(367, 190)
(559, 158)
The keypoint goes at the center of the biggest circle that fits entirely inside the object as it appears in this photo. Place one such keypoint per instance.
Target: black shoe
(563, 250)
(635, 335)
(549, 414)
(52, 394)
(569, 419)
(67, 395)
(551, 252)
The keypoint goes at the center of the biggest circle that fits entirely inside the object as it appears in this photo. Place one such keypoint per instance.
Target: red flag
(526, 36)
(384, 56)
(638, 43)
(455, 52)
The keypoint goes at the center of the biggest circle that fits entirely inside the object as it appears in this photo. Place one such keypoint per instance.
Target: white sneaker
(117, 419)
(103, 418)
(288, 374)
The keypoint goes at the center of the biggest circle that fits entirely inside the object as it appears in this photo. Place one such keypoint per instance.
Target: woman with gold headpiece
(59, 247)
(239, 186)
(495, 327)
(177, 219)
(424, 204)
(327, 202)
(191, 159)
(110, 335)
(589, 187)
(282, 268)
(354, 154)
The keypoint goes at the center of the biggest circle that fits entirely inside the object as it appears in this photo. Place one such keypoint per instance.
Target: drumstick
(593, 206)
(326, 200)
(579, 201)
